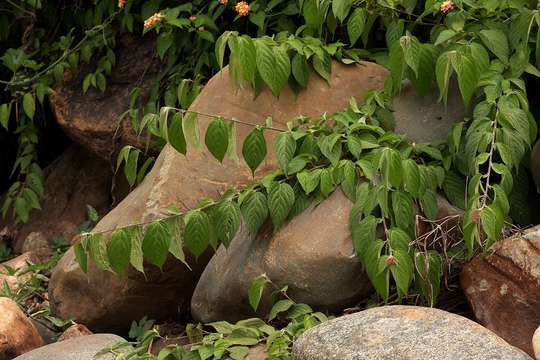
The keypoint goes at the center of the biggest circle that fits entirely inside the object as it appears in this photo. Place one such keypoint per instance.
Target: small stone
(38, 244)
(404, 333)
(75, 330)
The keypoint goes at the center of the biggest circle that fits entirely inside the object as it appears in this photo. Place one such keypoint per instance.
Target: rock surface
(12, 272)
(312, 254)
(80, 348)
(405, 333)
(74, 180)
(93, 119)
(425, 119)
(503, 288)
(102, 300)
(17, 333)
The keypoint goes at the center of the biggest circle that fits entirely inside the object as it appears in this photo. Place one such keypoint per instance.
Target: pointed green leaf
(197, 232)
(256, 290)
(119, 250)
(227, 221)
(280, 202)
(254, 210)
(254, 149)
(284, 148)
(155, 245)
(217, 138)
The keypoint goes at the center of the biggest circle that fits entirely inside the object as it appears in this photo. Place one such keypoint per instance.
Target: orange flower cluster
(223, 2)
(121, 4)
(153, 20)
(447, 6)
(242, 8)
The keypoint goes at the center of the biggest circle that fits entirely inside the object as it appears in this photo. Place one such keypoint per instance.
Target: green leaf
(454, 189)
(136, 258)
(411, 51)
(391, 168)
(280, 202)
(331, 147)
(402, 206)
(130, 167)
(309, 180)
(284, 148)
(254, 149)
(402, 271)
(428, 201)
(411, 178)
(191, 130)
(356, 24)
(97, 249)
(247, 58)
(197, 232)
(119, 250)
(29, 105)
(101, 82)
(279, 307)
(221, 44)
(273, 64)
(492, 222)
(327, 182)
(254, 210)
(398, 239)
(256, 290)
(217, 138)
(81, 256)
(497, 42)
(155, 245)
(227, 221)
(363, 235)
(341, 8)
(176, 134)
(300, 69)
(443, 72)
(467, 78)
(350, 179)
(323, 66)
(5, 111)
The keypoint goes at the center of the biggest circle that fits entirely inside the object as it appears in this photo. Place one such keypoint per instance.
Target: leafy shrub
(489, 47)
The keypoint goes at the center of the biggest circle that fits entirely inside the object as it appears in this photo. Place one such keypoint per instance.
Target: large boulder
(405, 333)
(79, 348)
(503, 288)
(17, 333)
(313, 255)
(102, 300)
(93, 119)
(76, 179)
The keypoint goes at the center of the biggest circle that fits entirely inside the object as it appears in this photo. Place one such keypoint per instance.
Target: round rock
(404, 333)
(80, 348)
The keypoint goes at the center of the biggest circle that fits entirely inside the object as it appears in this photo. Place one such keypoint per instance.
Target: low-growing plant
(223, 340)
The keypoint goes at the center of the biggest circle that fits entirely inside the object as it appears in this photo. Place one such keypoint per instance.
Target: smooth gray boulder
(312, 254)
(80, 348)
(404, 333)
